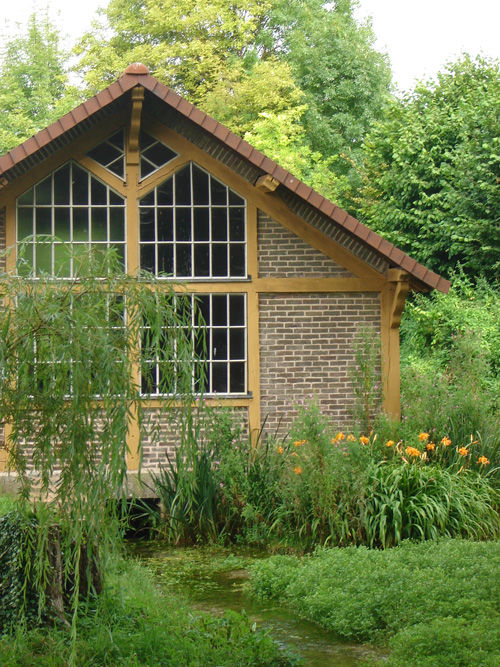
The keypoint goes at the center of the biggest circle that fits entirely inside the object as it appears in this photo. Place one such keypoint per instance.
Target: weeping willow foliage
(69, 390)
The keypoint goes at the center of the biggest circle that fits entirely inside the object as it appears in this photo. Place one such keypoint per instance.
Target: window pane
(98, 193)
(237, 376)
(165, 258)
(62, 224)
(235, 199)
(219, 344)
(165, 224)
(80, 186)
(61, 185)
(117, 224)
(43, 221)
(24, 223)
(201, 224)
(183, 224)
(148, 258)
(219, 377)
(218, 192)
(219, 310)
(147, 224)
(43, 191)
(200, 186)
(183, 186)
(27, 197)
(183, 260)
(237, 224)
(80, 224)
(237, 309)
(219, 259)
(219, 224)
(43, 258)
(62, 261)
(237, 259)
(237, 344)
(164, 193)
(201, 260)
(99, 224)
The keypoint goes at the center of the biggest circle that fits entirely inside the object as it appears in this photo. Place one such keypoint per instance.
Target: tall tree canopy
(254, 65)
(432, 170)
(34, 88)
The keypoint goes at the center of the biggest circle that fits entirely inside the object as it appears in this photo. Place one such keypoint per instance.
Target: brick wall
(305, 347)
(161, 435)
(282, 254)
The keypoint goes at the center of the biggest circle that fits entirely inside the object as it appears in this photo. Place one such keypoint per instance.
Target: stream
(213, 581)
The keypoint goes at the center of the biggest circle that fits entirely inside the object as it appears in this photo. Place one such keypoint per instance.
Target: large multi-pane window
(217, 329)
(68, 211)
(193, 226)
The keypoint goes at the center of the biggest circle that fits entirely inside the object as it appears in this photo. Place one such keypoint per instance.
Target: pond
(213, 580)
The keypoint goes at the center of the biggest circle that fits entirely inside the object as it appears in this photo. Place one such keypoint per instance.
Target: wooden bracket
(401, 280)
(266, 183)
(135, 125)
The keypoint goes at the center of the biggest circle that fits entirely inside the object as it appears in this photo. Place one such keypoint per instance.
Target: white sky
(420, 36)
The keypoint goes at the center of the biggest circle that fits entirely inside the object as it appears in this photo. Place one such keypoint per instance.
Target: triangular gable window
(153, 154)
(110, 154)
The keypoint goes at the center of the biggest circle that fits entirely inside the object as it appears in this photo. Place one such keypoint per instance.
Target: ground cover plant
(134, 624)
(434, 602)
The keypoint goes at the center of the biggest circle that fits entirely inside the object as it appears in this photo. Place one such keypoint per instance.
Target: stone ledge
(136, 486)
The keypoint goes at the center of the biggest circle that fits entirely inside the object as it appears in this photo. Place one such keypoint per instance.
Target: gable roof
(32, 151)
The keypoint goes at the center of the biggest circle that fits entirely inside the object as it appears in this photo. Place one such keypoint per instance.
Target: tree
(68, 362)
(34, 88)
(432, 171)
(253, 59)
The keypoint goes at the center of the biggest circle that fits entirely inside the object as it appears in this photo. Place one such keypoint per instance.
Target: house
(286, 277)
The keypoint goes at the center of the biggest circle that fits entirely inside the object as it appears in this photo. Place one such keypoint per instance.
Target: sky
(420, 36)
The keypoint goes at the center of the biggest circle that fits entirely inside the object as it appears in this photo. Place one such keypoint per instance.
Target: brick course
(282, 254)
(305, 348)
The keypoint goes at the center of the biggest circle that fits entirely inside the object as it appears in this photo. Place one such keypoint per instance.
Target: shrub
(410, 592)
(415, 501)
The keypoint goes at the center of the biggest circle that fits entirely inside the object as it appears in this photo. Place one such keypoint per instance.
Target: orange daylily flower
(364, 440)
(483, 460)
(446, 441)
(299, 443)
(339, 436)
(389, 443)
(297, 470)
(430, 446)
(351, 438)
(463, 451)
(423, 436)
(413, 451)
(280, 450)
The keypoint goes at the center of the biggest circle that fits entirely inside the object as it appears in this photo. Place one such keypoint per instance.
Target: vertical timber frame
(392, 301)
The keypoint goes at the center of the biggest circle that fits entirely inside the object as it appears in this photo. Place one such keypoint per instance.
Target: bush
(415, 501)
(18, 597)
(368, 595)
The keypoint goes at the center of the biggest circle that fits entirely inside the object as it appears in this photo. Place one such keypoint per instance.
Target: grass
(435, 603)
(135, 625)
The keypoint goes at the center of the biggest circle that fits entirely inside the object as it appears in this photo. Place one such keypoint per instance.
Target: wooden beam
(402, 286)
(266, 183)
(134, 126)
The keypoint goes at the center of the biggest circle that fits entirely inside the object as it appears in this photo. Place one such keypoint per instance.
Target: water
(213, 581)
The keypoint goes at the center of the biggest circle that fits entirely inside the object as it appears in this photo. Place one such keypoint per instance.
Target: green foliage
(432, 167)
(420, 502)
(136, 625)
(365, 377)
(66, 352)
(401, 593)
(300, 80)
(344, 79)
(219, 487)
(34, 89)
(18, 598)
